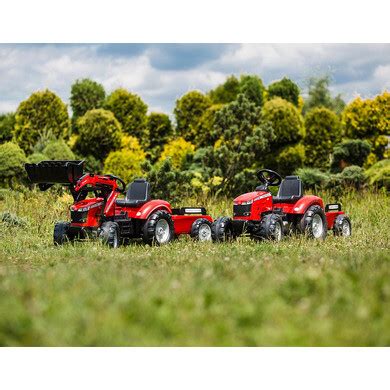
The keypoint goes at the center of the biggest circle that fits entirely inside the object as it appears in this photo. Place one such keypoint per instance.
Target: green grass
(298, 292)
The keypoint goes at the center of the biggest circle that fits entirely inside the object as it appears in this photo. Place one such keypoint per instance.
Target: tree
(12, 160)
(159, 129)
(126, 162)
(85, 95)
(43, 112)
(188, 111)
(320, 96)
(177, 150)
(7, 124)
(322, 132)
(206, 134)
(352, 152)
(58, 150)
(226, 92)
(252, 87)
(129, 110)
(99, 134)
(286, 89)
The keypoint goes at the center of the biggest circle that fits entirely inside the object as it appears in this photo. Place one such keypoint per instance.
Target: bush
(285, 89)
(9, 219)
(12, 160)
(159, 130)
(253, 89)
(7, 124)
(125, 163)
(177, 150)
(290, 159)
(129, 110)
(352, 152)
(99, 134)
(206, 134)
(226, 92)
(37, 157)
(312, 178)
(43, 112)
(322, 131)
(379, 174)
(353, 176)
(58, 150)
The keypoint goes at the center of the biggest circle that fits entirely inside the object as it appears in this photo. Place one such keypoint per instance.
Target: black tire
(271, 228)
(340, 228)
(151, 233)
(201, 230)
(109, 234)
(310, 225)
(222, 230)
(60, 234)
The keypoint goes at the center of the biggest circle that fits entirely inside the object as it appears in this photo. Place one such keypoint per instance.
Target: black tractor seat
(137, 194)
(290, 190)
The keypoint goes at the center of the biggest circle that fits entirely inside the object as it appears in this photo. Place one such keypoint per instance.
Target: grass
(298, 292)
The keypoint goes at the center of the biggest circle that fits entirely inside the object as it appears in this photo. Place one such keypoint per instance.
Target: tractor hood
(251, 197)
(87, 204)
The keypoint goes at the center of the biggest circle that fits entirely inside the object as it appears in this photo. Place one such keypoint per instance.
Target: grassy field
(298, 292)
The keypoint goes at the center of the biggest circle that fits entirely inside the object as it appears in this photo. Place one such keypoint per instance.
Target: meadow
(294, 293)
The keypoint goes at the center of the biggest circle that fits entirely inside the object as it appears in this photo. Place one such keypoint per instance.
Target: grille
(78, 216)
(242, 210)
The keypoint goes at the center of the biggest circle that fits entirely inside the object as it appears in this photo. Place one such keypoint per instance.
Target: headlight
(247, 202)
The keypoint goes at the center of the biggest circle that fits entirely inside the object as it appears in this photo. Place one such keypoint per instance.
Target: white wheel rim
(204, 232)
(317, 226)
(278, 232)
(115, 243)
(162, 231)
(346, 229)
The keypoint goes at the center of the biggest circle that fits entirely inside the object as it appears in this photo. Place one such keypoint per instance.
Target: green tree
(99, 134)
(43, 112)
(252, 87)
(85, 95)
(286, 89)
(322, 132)
(320, 96)
(12, 160)
(188, 111)
(7, 124)
(160, 130)
(351, 152)
(206, 134)
(129, 110)
(177, 150)
(226, 92)
(58, 150)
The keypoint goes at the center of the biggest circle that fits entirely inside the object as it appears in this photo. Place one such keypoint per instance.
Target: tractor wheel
(342, 226)
(313, 223)
(60, 235)
(222, 229)
(109, 234)
(158, 228)
(201, 230)
(271, 228)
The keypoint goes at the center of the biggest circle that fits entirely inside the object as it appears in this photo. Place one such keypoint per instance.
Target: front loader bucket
(47, 173)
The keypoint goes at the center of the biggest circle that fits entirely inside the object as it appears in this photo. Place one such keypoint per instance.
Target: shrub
(7, 124)
(159, 130)
(99, 134)
(37, 157)
(290, 159)
(177, 150)
(379, 174)
(12, 220)
(206, 134)
(352, 152)
(129, 110)
(252, 87)
(322, 131)
(12, 160)
(58, 150)
(42, 112)
(226, 92)
(285, 89)
(353, 176)
(312, 178)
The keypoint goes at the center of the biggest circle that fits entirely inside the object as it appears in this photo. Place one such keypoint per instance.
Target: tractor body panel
(300, 206)
(252, 205)
(144, 210)
(87, 213)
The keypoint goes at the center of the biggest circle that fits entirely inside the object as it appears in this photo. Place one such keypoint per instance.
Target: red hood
(249, 196)
(87, 203)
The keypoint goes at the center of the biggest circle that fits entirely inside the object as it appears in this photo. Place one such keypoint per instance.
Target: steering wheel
(268, 177)
(123, 189)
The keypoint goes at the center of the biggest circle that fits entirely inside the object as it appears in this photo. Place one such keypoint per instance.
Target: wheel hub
(162, 231)
(317, 226)
(204, 233)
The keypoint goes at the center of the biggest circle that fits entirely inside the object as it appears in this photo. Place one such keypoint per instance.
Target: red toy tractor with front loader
(264, 216)
(97, 211)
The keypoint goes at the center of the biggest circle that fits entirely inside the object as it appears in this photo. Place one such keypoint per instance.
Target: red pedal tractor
(97, 211)
(264, 216)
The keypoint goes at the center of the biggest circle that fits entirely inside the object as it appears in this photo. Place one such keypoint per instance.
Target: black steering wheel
(268, 177)
(123, 189)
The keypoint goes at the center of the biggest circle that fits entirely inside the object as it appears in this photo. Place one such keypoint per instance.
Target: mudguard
(149, 207)
(305, 202)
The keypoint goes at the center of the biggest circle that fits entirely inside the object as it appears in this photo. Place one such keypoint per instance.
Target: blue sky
(161, 73)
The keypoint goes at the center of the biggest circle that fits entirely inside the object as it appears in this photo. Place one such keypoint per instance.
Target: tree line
(216, 142)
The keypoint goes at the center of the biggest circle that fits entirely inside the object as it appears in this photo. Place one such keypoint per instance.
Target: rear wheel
(158, 228)
(342, 226)
(201, 230)
(271, 228)
(313, 223)
(60, 234)
(109, 234)
(222, 229)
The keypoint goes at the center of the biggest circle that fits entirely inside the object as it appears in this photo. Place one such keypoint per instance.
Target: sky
(161, 73)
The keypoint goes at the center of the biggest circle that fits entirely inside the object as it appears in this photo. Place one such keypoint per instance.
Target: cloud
(160, 73)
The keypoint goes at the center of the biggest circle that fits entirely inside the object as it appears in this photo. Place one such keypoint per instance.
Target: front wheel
(313, 223)
(201, 230)
(109, 234)
(271, 228)
(60, 234)
(222, 229)
(158, 229)
(342, 226)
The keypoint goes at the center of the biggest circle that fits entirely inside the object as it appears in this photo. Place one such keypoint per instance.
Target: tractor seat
(137, 194)
(290, 190)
